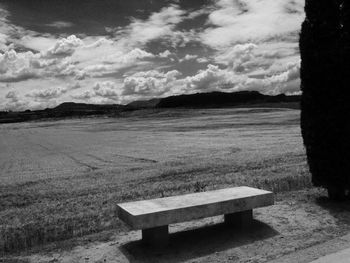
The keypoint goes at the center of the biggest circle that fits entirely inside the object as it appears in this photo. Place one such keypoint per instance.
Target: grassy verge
(45, 211)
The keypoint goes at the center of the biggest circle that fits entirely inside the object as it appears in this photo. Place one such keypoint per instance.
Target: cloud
(236, 56)
(215, 79)
(100, 92)
(287, 81)
(227, 45)
(107, 90)
(47, 94)
(202, 60)
(244, 21)
(205, 79)
(158, 25)
(188, 57)
(149, 83)
(16, 67)
(60, 24)
(114, 63)
(165, 54)
(130, 57)
(13, 102)
(64, 47)
(12, 96)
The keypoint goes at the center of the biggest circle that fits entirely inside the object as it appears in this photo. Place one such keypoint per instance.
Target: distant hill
(77, 107)
(199, 100)
(143, 104)
(222, 99)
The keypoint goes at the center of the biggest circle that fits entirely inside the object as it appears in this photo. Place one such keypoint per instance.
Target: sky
(117, 51)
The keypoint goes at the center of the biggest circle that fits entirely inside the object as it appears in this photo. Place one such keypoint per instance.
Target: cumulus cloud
(16, 67)
(165, 54)
(188, 57)
(150, 83)
(237, 56)
(21, 66)
(64, 47)
(106, 89)
(100, 92)
(215, 79)
(205, 79)
(47, 94)
(13, 101)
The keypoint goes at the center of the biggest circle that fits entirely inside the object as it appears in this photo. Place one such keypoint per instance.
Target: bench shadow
(198, 242)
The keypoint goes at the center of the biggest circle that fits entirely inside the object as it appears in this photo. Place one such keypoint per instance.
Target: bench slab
(169, 210)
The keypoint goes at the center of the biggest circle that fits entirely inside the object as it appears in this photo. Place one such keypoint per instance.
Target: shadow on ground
(340, 210)
(199, 242)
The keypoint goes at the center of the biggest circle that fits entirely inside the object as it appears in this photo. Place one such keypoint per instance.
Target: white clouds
(150, 83)
(17, 67)
(47, 94)
(64, 47)
(284, 82)
(130, 57)
(13, 101)
(188, 57)
(106, 89)
(58, 61)
(251, 45)
(205, 79)
(100, 92)
(165, 54)
(236, 56)
(118, 61)
(158, 25)
(252, 20)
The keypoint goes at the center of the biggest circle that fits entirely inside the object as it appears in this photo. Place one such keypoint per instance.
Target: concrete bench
(154, 216)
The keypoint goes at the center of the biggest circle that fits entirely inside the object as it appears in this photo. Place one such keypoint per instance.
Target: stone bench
(154, 216)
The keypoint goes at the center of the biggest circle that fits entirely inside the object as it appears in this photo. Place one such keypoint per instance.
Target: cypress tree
(322, 122)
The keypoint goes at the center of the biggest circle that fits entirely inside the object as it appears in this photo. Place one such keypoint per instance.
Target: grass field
(61, 179)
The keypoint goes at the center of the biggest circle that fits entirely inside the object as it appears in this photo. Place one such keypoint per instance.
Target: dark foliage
(324, 81)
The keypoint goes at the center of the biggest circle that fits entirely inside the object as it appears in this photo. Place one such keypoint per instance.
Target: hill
(199, 100)
(222, 99)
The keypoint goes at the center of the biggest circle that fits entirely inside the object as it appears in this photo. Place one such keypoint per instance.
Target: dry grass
(63, 179)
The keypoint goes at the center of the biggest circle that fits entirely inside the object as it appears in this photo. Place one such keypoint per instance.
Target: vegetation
(62, 179)
(324, 82)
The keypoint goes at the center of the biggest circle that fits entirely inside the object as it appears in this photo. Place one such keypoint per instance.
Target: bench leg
(240, 219)
(157, 236)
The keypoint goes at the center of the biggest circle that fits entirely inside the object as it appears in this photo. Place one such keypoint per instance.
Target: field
(61, 179)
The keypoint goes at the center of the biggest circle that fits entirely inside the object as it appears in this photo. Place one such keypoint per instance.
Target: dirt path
(302, 225)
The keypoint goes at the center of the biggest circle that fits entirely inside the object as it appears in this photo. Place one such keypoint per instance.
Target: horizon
(116, 52)
(155, 98)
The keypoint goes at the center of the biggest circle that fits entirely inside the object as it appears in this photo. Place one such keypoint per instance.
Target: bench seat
(154, 216)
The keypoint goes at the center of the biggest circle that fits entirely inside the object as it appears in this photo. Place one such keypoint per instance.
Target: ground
(61, 180)
(303, 225)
